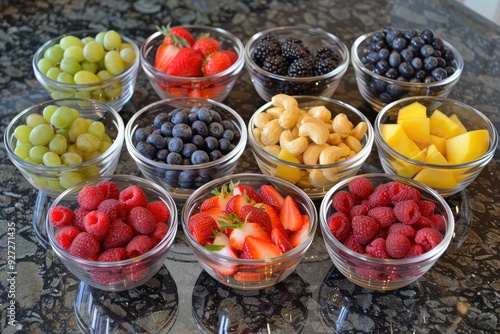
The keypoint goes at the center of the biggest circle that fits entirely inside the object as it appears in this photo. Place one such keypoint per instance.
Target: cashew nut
(353, 143)
(272, 149)
(257, 133)
(345, 149)
(289, 117)
(293, 145)
(275, 112)
(284, 101)
(312, 152)
(331, 174)
(320, 112)
(334, 139)
(341, 125)
(317, 133)
(359, 130)
(318, 180)
(312, 119)
(261, 119)
(330, 155)
(271, 133)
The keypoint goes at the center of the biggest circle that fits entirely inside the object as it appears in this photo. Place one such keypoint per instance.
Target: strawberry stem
(178, 40)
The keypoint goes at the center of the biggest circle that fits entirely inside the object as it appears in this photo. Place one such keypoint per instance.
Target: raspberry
(114, 209)
(384, 215)
(379, 197)
(60, 216)
(339, 225)
(90, 197)
(97, 224)
(403, 192)
(376, 248)
(360, 187)
(406, 230)
(428, 238)
(139, 245)
(359, 210)
(364, 228)
(85, 246)
(159, 210)
(133, 196)
(407, 212)
(343, 201)
(353, 244)
(65, 236)
(438, 222)
(141, 220)
(422, 222)
(109, 189)
(415, 250)
(113, 255)
(79, 214)
(397, 245)
(426, 207)
(160, 232)
(119, 235)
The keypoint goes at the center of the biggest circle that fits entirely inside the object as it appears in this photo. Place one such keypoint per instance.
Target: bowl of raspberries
(295, 61)
(393, 63)
(182, 143)
(113, 232)
(384, 232)
(197, 61)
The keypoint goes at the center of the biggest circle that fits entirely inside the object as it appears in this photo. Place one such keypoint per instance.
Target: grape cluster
(186, 137)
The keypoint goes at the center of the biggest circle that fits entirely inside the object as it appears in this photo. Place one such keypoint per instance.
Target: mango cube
(435, 157)
(409, 170)
(285, 172)
(467, 147)
(398, 140)
(440, 143)
(414, 110)
(457, 121)
(442, 126)
(418, 129)
(436, 178)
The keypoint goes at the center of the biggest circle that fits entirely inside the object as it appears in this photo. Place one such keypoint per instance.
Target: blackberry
(301, 67)
(293, 48)
(276, 64)
(267, 46)
(326, 60)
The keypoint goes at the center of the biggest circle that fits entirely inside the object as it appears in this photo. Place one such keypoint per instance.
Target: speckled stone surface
(460, 294)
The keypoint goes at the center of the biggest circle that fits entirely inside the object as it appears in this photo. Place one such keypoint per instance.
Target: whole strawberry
(186, 63)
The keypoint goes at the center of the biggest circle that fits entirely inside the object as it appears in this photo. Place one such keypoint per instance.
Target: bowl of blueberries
(391, 64)
(185, 142)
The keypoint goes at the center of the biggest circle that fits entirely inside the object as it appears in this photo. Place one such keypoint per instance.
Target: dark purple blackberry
(267, 46)
(301, 67)
(326, 60)
(276, 64)
(293, 48)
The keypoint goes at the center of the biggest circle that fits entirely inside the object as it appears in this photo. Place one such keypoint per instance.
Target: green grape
(97, 129)
(87, 39)
(127, 55)
(74, 52)
(106, 138)
(93, 51)
(65, 78)
(69, 179)
(83, 94)
(34, 119)
(62, 117)
(40, 181)
(69, 40)
(75, 112)
(44, 65)
(87, 156)
(41, 134)
(98, 95)
(111, 40)
(55, 185)
(71, 159)
(113, 63)
(74, 149)
(22, 150)
(79, 126)
(104, 75)
(85, 78)
(91, 171)
(88, 143)
(126, 46)
(51, 159)
(89, 66)
(36, 153)
(54, 53)
(31, 161)
(53, 72)
(99, 38)
(63, 132)
(22, 133)
(104, 146)
(70, 66)
(48, 111)
(58, 144)
(114, 91)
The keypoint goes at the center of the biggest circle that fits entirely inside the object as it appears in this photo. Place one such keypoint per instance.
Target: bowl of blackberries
(295, 61)
(391, 64)
(185, 142)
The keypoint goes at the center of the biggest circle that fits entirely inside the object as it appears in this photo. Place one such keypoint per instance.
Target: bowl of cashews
(310, 141)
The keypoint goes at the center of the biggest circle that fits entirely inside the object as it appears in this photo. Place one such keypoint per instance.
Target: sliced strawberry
(281, 241)
(250, 213)
(202, 227)
(222, 246)
(236, 202)
(297, 237)
(249, 276)
(164, 56)
(271, 196)
(257, 248)
(219, 200)
(290, 215)
(233, 56)
(216, 62)
(211, 92)
(216, 213)
(274, 216)
(179, 36)
(238, 234)
(206, 45)
(186, 63)
(248, 190)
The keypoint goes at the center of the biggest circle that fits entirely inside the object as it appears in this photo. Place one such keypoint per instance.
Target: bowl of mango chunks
(440, 142)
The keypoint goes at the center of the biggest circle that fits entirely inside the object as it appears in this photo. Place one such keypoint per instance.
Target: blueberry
(182, 131)
(430, 63)
(204, 115)
(427, 35)
(416, 63)
(161, 155)
(417, 42)
(180, 117)
(166, 129)
(214, 155)
(376, 37)
(156, 132)
(385, 97)
(406, 70)
(188, 149)
(224, 146)
(449, 70)
(439, 73)
(420, 75)
(199, 157)
(378, 86)
(215, 129)
(174, 158)
(429, 79)
(199, 127)
(399, 43)
(141, 134)
(391, 34)
(372, 57)
(407, 55)
(228, 134)
(175, 145)
(216, 117)
(394, 59)
(186, 178)
(426, 50)
(146, 149)
(409, 34)
(391, 73)
(192, 116)
(199, 141)
(228, 125)
(394, 90)
(156, 140)
(171, 177)
(384, 54)
(200, 180)
(211, 143)
(378, 70)
(448, 55)
(441, 62)
(160, 119)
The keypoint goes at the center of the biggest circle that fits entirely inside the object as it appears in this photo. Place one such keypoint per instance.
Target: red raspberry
(339, 225)
(402, 192)
(159, 210)
(113, 255)
(359, 210)
(382, 233)
(139, 245)
(119, 235)
(438, 222)
(376, 248)
(360, 187)
(109, 189)
(160, 232)
(397, 245)
(96, 223)
(428, 238)
(426, 207)
(114, 209)
(407, 212)
(133, 196)
(380, 197)
(422, 222)
(407, 230)
(384, 215)
(90, 197)
(364, 228)
(415, 250)
(60, 216)
(85, 246)
(79, 213)
(343, 201)
(353, 244)
(65, 236)
(141, 220)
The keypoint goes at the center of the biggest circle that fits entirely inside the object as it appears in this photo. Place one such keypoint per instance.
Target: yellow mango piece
(436, 178)
(439, 142)
(285, 172)
(398, 140)
(467, 147)
(442, 126)
(414, 110)
(457, 121)
(434, 156)
(418, 129)
(408, 170)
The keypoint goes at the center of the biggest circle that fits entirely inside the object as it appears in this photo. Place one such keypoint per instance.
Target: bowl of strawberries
(196, 61)
(249, 231)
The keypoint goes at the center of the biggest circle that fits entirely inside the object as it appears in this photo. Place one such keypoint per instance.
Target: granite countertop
(458, 295)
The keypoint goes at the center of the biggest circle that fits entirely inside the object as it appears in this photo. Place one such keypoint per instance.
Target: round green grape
(114, 91)
(85, 78)
(51, 159)
(34, 119)
(62, 117)
(69, 40)
(44, 65)
(113, 63)
(70, 66)
(93, 51)
(22, 150)
(88, 143)
(74, 52)
(54, 53)
(41, 134)
(55, 185)
(71, 159)
(65, 78)
(87, 156)
(78, 127)
(97, 129)
(69, 179)
(91, 67)
(36, 153)
(74, 149)
(22, 133)
(104, 146)
(83, 94)
(104, 75)
(112, 40)
(63, 132)
(58, 144)
(99, 38)
(48, 111)
(87, 39)
(127, 55)
(52, 73)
